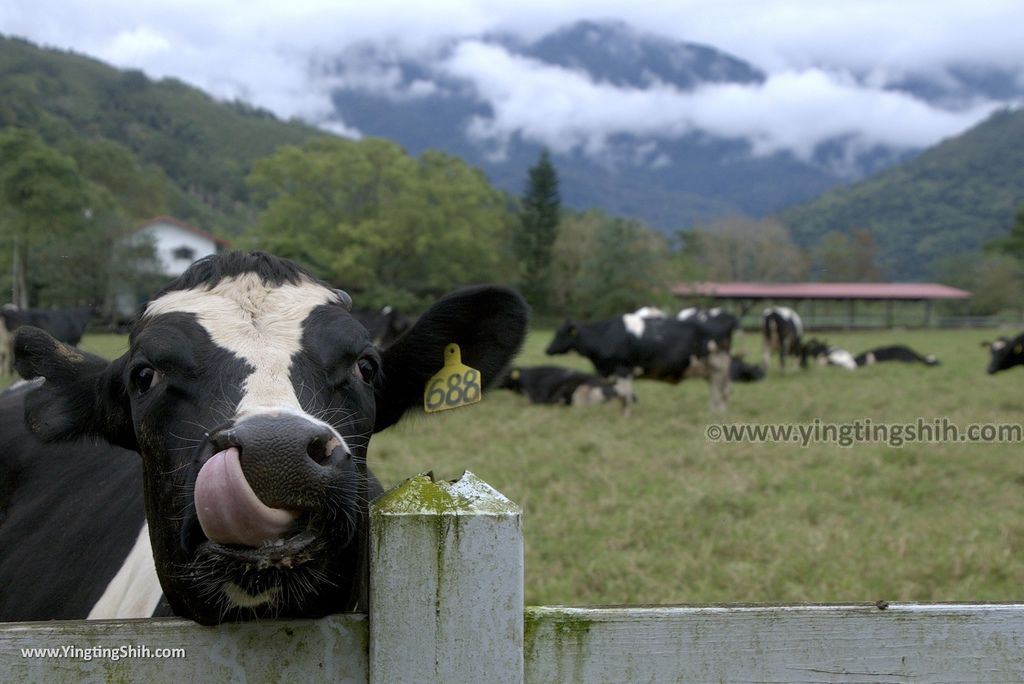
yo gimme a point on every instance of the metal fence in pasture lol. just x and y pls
(446, 605)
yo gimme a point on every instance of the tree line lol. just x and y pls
(399, 230)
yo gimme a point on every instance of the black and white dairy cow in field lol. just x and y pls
(894, 352)
(824, 354)
(566, 386)
(783, 332)
(654, 348)
(1006, 353)
(250, 393)
(66, 325)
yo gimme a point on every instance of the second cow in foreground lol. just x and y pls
(656, 348)
(65, 325)
(250, 393)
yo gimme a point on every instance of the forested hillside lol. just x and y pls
(950, 199)
(159, 146)
(87, 152)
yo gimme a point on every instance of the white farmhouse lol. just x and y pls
(176, 245)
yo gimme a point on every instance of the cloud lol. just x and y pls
(793, 111)
(828, 64)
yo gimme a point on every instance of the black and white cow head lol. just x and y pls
(251, 394)
(566, 338)
(1005, 353)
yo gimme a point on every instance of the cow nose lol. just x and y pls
(287, 460)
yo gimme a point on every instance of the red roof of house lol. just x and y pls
(740, 290)
(185, 226)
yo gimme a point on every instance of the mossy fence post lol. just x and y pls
(446, 584)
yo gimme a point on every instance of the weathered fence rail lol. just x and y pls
(446, 606)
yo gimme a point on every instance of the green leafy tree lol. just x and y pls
(391, 228)
(539, 216)
(995, 280)
(43, 201)
(745, 249)
(842, 258)
(1013, 243)
(603, 266)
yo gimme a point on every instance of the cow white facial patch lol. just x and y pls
(258, 322)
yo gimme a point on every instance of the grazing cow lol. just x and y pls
(385, 325)
(250, 393)
(825, 354)
(654, 348)
(66, 325)
(895, 352)
(783, 331)
(560, 385)
(1006, 353)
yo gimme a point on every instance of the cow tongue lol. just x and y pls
(229, 510)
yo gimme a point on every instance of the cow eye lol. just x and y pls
(144, 377)
(366, 369)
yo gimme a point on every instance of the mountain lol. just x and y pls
(950, 199)
(668, 182)
(170, 147)
(461, 96)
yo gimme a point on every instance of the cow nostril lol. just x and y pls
(317, 449)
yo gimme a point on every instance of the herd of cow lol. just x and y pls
(695, 343)
(219, 465)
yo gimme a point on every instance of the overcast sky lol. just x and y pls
(826, 60)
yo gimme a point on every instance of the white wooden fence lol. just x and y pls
(446, 605)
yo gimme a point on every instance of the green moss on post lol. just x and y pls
(446, 583)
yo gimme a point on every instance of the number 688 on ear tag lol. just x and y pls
(454, 385)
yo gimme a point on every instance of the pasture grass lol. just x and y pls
(646, 510)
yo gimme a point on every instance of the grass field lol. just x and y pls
(646, 510)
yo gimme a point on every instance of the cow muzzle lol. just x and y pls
(267, 471)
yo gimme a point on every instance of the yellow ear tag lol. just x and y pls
(454, 385)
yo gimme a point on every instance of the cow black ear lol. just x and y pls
(82, 396)
(487, 322)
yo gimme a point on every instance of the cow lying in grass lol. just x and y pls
(560, 385)
(250, 393)
(1005, 353)
(894, 352)
(826, 355)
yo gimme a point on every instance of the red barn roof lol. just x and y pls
(882, 291)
